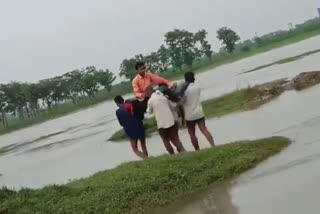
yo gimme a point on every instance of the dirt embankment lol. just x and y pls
(306, 80)
(270, 90)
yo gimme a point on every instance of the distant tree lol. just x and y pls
(228, 37)
(46, 90)
(127, 69)
(200, 36)
(258, 41)
(181, 44)
(245, 48)
(185, 47)
(152, 62)
(88, 82)
(3, 105)
(73, 79)
(105, 78)
(164, 58)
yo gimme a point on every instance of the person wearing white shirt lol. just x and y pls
(163, 109)
(194, 114)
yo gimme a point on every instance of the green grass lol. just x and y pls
(125, 88)
(283, 61)
(142, 186)
(236, 101)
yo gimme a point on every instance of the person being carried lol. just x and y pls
(163, 109)
(144, 81)
(132, 123)
(194, 114)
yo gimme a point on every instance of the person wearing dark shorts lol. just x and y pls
(162, 108)
(132, 123)
(194, 114)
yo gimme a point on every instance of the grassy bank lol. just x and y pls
(138, 187)
(240, 100)
(124, 88)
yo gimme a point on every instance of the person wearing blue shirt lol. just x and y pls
(132, 123)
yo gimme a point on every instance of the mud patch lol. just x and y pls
(306, 80)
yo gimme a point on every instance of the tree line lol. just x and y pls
(25, 100)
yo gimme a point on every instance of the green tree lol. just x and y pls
(185, 47)
(181, 46)
(127, 69)
(105, 78)
(15, 98)
(88, 82)
(164, 58)
(228, 37)
(200, 36)
(152, 62)
(3, 105)
(73, 79)
(258, 41)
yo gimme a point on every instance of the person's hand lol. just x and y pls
(174, 86)
(149, 91)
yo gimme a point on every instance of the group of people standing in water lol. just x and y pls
(169, 102)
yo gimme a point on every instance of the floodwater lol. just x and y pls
(286, 183)
(76, 145)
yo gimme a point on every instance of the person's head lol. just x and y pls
(119, 100)
(189, 77)
(141, 68)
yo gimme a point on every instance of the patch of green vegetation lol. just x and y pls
(139, 187)
(285, 60)
(236, 101)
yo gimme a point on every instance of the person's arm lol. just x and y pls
(172, 105)
(184, 97)
(136, 90)
(183, 88)
(150, 107)
(119, 118)
(158, 80)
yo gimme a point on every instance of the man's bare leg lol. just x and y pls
(166, 142)
(144, 148)
(205, 132)
(134, 146)
(193, 137)
(175, 139)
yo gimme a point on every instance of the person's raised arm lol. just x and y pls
(159, 80)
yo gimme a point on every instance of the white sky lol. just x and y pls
(44, 38)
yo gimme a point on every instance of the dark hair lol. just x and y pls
(189, 77)
(139, 64)
(118, 99)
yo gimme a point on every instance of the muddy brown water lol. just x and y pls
(75, 146)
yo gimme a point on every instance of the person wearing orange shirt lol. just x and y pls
(144, 80)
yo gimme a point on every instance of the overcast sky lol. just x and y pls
(44, 38)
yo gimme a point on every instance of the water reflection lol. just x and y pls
(216, 200)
